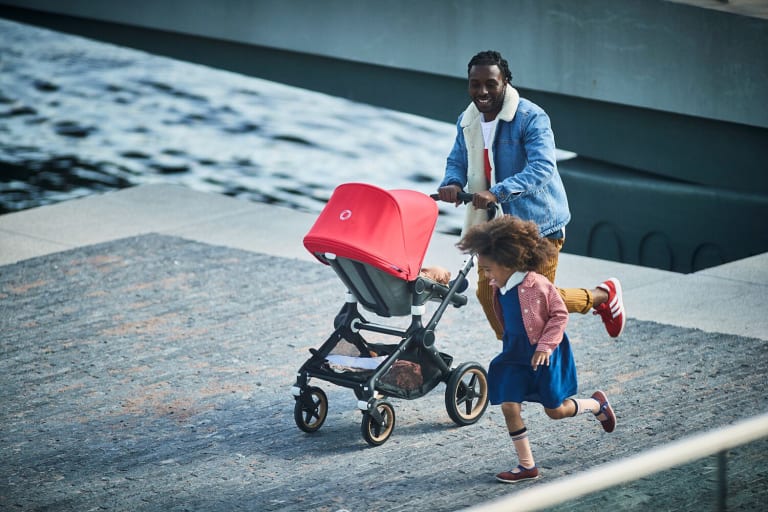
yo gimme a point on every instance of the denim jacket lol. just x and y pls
(524, 177)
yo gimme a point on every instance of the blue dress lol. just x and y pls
(511, 377)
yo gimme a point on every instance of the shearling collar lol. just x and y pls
(508, 109)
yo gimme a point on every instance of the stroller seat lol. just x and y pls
(378, 291)
(375, 240)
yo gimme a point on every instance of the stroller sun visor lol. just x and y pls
(389, 229)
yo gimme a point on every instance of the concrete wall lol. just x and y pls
(649, 54)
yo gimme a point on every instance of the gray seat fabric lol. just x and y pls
(376, 290)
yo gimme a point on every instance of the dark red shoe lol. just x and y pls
(508, 477)
(609, 423)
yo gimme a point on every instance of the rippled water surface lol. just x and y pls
(79, 116)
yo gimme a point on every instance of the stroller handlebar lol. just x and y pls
(465, 198)
(457, 299)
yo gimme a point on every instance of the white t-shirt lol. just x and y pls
(489, 130)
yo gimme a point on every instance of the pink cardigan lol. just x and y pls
(544, 313)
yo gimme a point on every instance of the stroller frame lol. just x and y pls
(466, 394)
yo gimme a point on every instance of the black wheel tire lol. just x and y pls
(374, 433)
(466, 395)
(311, 409)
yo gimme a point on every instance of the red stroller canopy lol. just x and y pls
(389, 229)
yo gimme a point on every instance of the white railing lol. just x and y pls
(633, 468)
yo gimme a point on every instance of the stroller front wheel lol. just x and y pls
(376, 432)
(311, 409)
(466, 395)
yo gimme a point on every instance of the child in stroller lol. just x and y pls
(375, 240)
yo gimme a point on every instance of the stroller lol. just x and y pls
(375, 240)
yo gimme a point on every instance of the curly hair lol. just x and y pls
(491, 58)
(509, 241)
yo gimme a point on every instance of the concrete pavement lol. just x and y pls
(150, 338)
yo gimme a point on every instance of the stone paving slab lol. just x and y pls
(153, 373)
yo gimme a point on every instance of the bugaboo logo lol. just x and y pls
(345, 215)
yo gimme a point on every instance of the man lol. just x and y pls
(504, 153)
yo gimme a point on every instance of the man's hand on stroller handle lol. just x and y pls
(484, 200)
(452, 194)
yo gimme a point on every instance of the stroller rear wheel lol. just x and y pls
(311, 409)
(376, 432)
(466, 395)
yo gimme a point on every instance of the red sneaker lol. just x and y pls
(609, 423)
(508, 477)
(612, 311)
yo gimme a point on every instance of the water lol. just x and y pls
(79, 117)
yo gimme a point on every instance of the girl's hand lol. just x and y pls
(540, 358)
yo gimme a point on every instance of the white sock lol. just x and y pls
(584, 405)
(523, 448)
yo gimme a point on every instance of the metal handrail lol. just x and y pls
(633, 468)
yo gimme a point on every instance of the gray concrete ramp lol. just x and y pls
(153, 373)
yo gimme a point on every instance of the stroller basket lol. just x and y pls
(375, 241)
